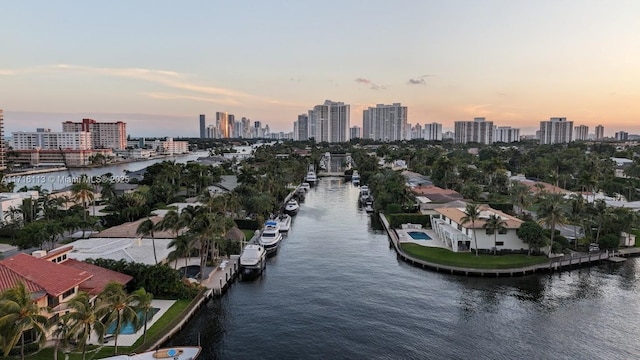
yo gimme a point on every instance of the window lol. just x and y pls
(69, 293)
(489, 231)
(502, 231)
(499, 243)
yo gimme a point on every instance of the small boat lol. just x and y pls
(368, 206)
(270, 237)
(292, 207)
(252, 261)
(305, 186)
(355, 178)
(311, 176)
(364, 194)
(284, 221)
(174, 353)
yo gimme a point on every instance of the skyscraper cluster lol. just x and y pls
(328, 122)
(385, 122)
(226, 126)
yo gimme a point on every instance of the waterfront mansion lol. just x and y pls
(449, 227)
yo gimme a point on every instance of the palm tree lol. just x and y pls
(472, 214)
(577, 209)
(62, 333)
(83, 320)
(108, 190)
(146, 228)
(182, 247)
(82, 191)
(19, 314)
(520, 195)
(551, 213)
(494, 225)
(115, 306)
(143, 302)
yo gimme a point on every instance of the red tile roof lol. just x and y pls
(101, 276)
(54, 278)
(9, 279)
(55, 252)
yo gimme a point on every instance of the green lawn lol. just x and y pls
(159, 327)
(447, 257)
(248, 234)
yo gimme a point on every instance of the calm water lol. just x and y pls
(59, 179)
(337, 291)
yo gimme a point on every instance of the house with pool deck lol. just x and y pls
(448, 228)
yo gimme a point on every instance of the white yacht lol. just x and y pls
(174, 353)
(355, 178)
(292, 207)
(284, 221)
(252, 261)
(311, 177)
(270, 237)
(368, 206)
(364, 194)
(305, 186)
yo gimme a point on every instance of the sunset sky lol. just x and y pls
(157, 65)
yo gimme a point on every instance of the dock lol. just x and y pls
(564, 264)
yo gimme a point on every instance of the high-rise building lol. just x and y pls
(432, 132)
(257, 130)
(302, 131)
(506, 134)
(329, 122)
(203, 127)
(556, 131)
(3, 159)
(599, 132)
(385, 122)
(47, 140)
(231, 123)
(246, 128)
(104, 135)
(222, 124)
(477, 131)
(416, 132)
(581, 133)
(354, 132)
(622, 136)
(212, 132)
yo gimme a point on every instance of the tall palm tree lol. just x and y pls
(520, 195)
(83, 320)
(83, 191)
(472, 214)
(115, 306)
(142, 300)
(494, 225)
(577, 210)
(108, 190)
(551, 212)
(182, 248)
(19, 314)
(62, 334)
(147, 228)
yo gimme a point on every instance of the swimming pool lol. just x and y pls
(128, 328)
(418, 235)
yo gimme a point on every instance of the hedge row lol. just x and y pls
(396, 220)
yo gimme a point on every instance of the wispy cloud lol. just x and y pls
(371, 84)
(420, 80)
(166, 78)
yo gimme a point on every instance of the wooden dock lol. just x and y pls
(551, 266)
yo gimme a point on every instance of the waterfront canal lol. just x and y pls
(337, 291)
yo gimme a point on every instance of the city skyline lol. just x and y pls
(445, 62)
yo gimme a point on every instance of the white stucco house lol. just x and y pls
(447, 225)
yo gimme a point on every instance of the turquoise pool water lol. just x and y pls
(128, 328)
(418, 235)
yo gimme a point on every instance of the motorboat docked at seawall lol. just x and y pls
(292, 207)
(175, 353)
(364, 194)
(355, 178)
(311, 177)
(270, 237)
(305, 186)
(368, 206)
(253, 260)
(284, 221)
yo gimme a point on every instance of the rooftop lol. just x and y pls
(128, 230)
(101, 276)
(127, 249)
(456, 215)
